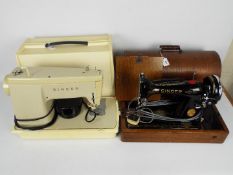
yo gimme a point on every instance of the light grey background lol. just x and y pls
(199, 24)
(196, 24)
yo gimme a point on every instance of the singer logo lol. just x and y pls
(170, 91)
(65, 89)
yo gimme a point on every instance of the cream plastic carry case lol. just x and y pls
(75, 51)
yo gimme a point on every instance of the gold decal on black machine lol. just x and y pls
(170, 91)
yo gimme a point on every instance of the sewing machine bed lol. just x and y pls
(105, 126)
(215, 133)
(213, 130)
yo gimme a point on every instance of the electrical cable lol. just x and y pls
(54, 119)
(145, 112)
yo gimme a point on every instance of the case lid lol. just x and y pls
(169, 62)
(93, 51)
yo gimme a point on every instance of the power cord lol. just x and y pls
(55, 116)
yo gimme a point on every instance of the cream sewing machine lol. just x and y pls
(64, 88)
(39, 94)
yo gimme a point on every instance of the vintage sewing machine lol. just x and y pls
(64, 88)
(182, 105)
(169, 95)
(40, 94)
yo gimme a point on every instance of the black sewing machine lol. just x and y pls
(183, 103)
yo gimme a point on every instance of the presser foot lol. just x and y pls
(91, 114)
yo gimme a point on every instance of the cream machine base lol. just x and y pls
(58, 103)
(103, 127)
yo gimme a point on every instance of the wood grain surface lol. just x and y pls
(128, 69)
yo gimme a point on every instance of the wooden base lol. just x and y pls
(175, 135)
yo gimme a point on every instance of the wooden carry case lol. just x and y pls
(183, 64)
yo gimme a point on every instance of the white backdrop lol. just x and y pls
(198, 24)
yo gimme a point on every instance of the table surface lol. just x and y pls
(111, 156)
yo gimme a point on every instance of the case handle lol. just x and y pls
(52, 44)
(170, 48)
